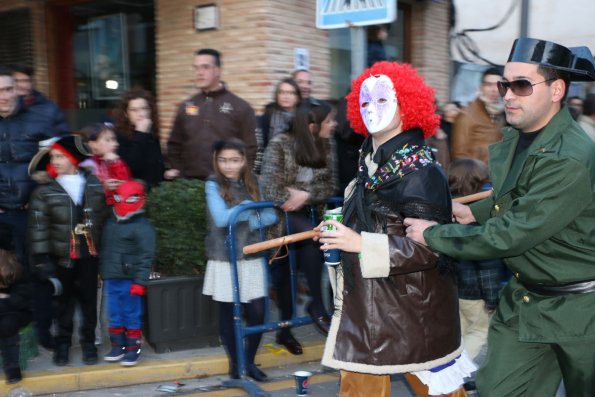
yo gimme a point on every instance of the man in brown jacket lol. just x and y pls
(478, 126)
(211, 115)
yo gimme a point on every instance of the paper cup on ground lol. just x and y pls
(302, 380)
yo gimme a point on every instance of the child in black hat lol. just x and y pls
(15, 301)
(66, 212)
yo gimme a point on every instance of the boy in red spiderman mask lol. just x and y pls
(126, 258)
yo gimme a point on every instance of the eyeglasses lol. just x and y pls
(518, 87)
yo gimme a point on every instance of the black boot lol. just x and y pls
(61, 355)
(89, 353)
(233, 370)
(285, 338)
(255, 373)
(13, 375)
(10, 355)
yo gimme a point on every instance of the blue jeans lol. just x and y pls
(123, 310)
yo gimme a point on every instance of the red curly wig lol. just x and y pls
(416, 99)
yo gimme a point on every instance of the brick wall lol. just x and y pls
(430, 44)
(40, 58)
(256, 38)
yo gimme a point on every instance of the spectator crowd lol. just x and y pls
(72, 219)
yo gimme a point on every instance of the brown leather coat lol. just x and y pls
(396, 311)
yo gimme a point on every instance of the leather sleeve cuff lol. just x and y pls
(374, 258)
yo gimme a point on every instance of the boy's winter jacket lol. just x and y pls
(128, 249)
(53, 216)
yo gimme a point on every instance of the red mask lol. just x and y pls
(129, 198)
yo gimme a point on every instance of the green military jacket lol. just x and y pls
(541, 220)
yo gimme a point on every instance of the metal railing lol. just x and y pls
(241, 331)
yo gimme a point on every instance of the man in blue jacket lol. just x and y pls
(21, 130)
(33, 99)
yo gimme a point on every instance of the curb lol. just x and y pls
(104, 376)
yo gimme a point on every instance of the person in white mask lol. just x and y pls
(396, 305)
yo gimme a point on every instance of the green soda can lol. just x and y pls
(332, 257)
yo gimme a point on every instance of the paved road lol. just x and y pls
(324, 383)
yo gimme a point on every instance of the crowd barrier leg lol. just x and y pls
(242, 331)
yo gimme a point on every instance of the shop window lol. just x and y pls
(106, 48)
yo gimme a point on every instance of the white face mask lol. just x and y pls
(378, 103)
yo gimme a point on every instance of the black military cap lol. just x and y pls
(577, 62)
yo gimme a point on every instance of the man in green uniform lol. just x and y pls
(541, 219)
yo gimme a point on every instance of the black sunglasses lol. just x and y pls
(518, 87)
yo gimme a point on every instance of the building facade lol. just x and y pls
(86, 53)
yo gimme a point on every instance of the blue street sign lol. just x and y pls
(333, 14)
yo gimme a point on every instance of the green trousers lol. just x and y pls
(525, 369)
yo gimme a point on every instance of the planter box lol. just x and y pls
(179, 316)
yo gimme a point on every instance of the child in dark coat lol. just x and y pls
(66, 213)
(126, 260)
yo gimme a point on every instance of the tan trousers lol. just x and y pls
(475, 321)
(354, 384)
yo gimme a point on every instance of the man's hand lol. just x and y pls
(343, 238)
(416, 227)
(112, 184)
(171, 174)
(462, 213)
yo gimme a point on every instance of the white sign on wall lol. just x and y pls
(334, 14)
(301, 59)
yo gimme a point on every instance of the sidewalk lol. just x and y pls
(43, 377)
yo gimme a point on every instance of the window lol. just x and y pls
(395, 46)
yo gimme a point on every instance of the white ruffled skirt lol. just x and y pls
(448, 379)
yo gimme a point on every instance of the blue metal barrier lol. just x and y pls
(242, 331)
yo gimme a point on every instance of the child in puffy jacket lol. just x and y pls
(66, 213)
(126, 260)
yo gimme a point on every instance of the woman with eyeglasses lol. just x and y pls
(278, 114)
(137, 128)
